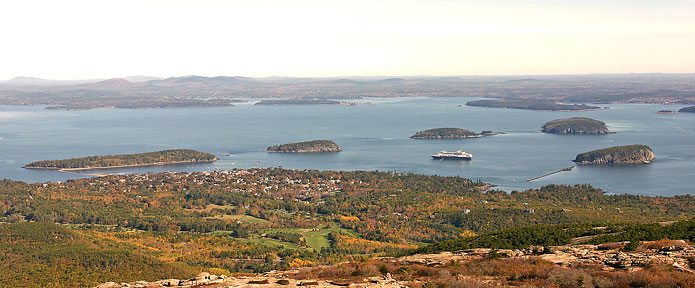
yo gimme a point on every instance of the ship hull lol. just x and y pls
(451, 158)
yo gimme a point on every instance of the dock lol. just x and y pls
(551, 173)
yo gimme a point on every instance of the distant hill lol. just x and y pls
(202, 81)
(141, 78)
(34, 81)
(111, 84)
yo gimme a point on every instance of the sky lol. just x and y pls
(72, 39)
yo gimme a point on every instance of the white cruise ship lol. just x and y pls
(460, 155)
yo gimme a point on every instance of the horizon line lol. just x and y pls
(357, 76)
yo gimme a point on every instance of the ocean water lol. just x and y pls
(373, 137)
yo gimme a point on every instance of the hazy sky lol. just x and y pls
(104, 39)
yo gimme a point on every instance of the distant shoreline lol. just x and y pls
(70, 170)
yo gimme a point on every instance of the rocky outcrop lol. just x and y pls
(630, 154)
(677, 255)
(269, 280)
(606, 257)
(576, 125)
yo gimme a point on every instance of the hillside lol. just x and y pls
(576, 125)
(163, 157)
(260, 220)
(48, 255)
(446, 133)
(629, 154)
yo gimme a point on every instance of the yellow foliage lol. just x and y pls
(349, 218)
(296, 263)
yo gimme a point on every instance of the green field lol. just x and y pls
(316, 238)
(273, 242)
(319, 239)
(242, 218)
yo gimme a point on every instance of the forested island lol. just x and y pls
(532, 105)
(313, 146)
(164, 157)
(690, 109)
(629, 154)
(576, 125)
(299, 102)
(446, 133)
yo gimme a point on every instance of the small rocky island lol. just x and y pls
(666, 112)
(629, 154)
(164, 157)
(690, 109)
(576, 125)
(314, 146)
(446, 133)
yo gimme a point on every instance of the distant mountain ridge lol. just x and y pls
(537, 93)
(35, 81)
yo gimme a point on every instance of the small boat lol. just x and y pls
(457, 155)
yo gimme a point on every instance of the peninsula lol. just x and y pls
(690, 109)
(301, 102)
(532, 105)
(629, 154)
(446, 133)
(313, 146)
(576, 125)
(164, 157)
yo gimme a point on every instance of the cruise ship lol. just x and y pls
(458, 155)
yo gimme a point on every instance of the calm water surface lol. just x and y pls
(373, 137)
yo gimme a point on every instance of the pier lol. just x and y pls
(551, 173)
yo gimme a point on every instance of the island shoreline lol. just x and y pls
(69, 170)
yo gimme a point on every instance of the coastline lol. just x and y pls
(76, 170)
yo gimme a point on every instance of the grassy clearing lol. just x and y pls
(318, 239)
(273, 242)
(241, 218)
